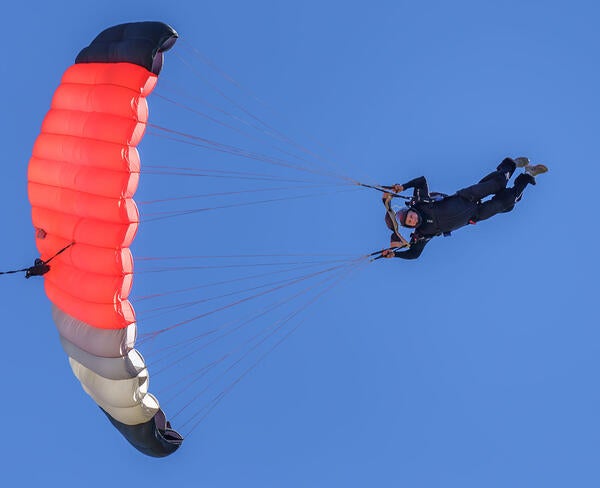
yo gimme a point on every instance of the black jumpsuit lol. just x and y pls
(464, 207)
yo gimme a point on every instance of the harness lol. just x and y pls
(433, 197)
(409, 202)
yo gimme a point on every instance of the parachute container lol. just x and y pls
(82, 177)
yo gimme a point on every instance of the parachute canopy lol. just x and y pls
(82, 176)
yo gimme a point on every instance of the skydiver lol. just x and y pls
(431, 214)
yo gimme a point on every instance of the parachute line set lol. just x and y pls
(82, 177)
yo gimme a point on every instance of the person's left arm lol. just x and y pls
(413, 252)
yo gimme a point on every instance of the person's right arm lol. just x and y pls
(421, 189)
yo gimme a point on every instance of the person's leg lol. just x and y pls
(504, 201)
(490, 184)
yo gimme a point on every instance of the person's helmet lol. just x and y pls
(401, 216)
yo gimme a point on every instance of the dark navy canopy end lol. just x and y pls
(140, 43)
(154, 438)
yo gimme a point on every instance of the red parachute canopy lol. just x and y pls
(82, 177)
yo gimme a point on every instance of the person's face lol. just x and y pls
(412, 219)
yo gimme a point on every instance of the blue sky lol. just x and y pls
(474, 366)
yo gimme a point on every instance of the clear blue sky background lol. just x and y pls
(475, 366)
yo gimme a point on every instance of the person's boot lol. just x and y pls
(522, 161)
(536, 169)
